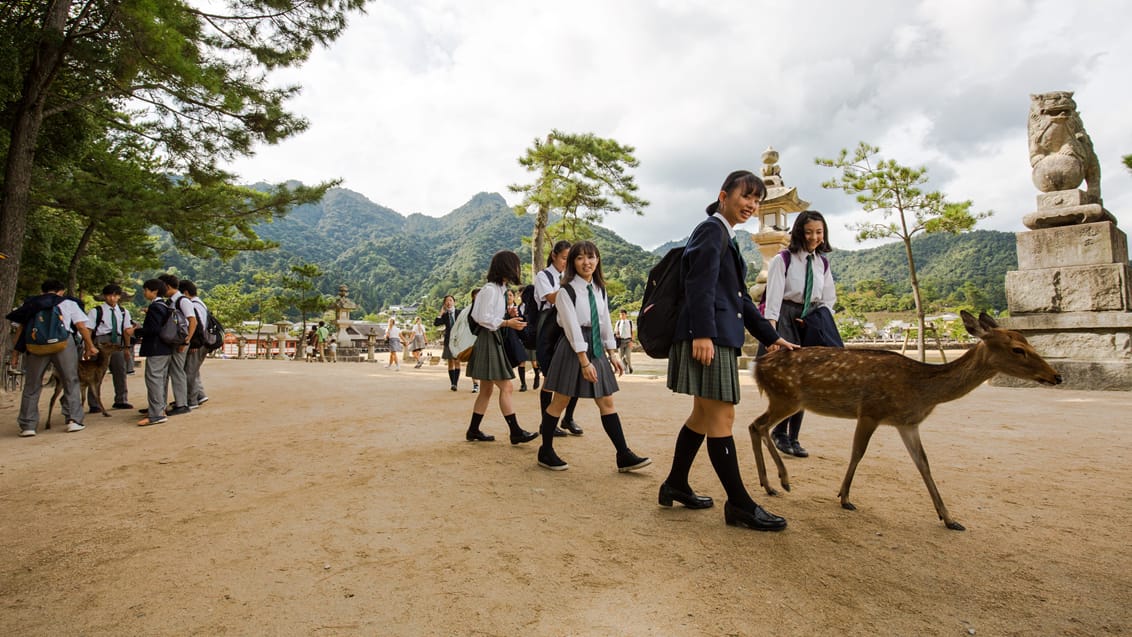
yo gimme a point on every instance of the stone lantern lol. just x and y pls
(342, 307)
(774, 230)
(281, 329)
(371, 340)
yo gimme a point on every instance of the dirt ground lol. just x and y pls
(323, 499)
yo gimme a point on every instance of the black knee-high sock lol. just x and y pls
(475, 424)
(544, 398)
(726, 463)
(781, 429)
(513, 424)
(453, 376)
(568, 415)
(537, 372)
(611, 423)
(796, 425)
(522, 375)
(456, 379)
(546, 428)
(687, 446)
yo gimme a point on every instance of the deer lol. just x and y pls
(91, 373)
(878, 387)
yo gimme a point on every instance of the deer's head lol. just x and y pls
(1008, 351)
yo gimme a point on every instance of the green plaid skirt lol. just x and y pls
(718, 381)
(488, 362)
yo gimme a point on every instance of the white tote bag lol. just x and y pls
(461, 340)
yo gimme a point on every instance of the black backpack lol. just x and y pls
(662, 302)
(661, 305)
(529, 334)
(551, 330)
(213, 334)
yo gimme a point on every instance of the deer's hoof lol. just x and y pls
(771, 491)
(848, 506)
(955, 526)
(786, 486)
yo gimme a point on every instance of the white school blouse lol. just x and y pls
(546, 282)
(490, 306)
(790, 283)
(573, 317)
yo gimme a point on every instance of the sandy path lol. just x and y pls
(309, 499)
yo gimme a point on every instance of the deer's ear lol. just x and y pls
(972, 324)
(986, 321)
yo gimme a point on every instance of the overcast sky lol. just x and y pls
(424, 103)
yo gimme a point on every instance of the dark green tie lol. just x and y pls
(113, 326)
(595, 324)
(809, 289)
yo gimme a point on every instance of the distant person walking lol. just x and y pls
(418, 343)
(447, 319)
(624, 333)
(393, 340)
(488, 362)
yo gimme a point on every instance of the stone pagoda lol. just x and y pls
(1072, 293)
(342, 307)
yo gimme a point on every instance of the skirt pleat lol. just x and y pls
(718, 381)
(565, 373)
(488, 362)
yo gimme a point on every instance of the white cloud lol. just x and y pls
(424, 103)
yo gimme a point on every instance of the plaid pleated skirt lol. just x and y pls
(718, 381)
(488, 362)
(564, 376)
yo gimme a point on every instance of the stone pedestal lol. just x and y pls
(1072, 298)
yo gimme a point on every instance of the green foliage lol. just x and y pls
(1128, 162)
(889, 188)
(581, 177)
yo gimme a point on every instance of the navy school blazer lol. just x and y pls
(716, 302)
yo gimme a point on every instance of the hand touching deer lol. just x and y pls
(879, 387)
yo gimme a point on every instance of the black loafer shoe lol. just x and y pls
(784, 445)
(478, 436)
(521, 436)
(630, 461)
(123, 406)
(551, 461)
(799, 451)
(688, 498)
(558, 433)
(572, 428)
(95, 410)
(178, 411)
(757, 520)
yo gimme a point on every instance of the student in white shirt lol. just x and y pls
(110, 323)
(546, 291)
(65, 360)
(581, 366)
(623, 331)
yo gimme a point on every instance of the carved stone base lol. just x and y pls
(1066, 216)
(1089, 288)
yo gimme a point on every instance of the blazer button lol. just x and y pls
(738, 315)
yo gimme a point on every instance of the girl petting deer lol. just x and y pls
(703, 360)
(581, 366)
(800, 292)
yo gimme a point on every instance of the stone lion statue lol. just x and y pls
(1061, 152)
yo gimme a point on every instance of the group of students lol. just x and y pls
(703, 359)
(398, 340)
(320, 345)
(109, 326)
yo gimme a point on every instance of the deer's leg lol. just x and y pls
(760, 437)
(58, 389)
(861, 437)
(911, 437)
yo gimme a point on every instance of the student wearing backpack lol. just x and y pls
(194, 358)
(158, 354)
(546, 290)
(791, 274)
(178, 377)
(489, 363)
(581, 366)
(703, 359)
(53, 315)
(111, 323)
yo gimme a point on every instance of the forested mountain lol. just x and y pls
(389, 259)
(386, 258)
